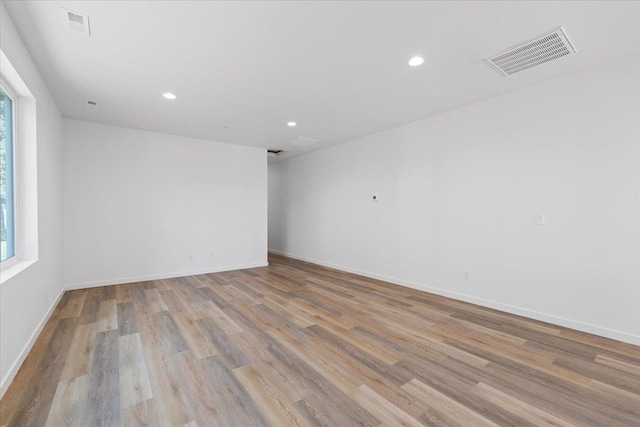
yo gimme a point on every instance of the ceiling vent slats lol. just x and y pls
(547, 47)
(76, 22)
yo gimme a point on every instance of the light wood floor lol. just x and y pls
(297, 344)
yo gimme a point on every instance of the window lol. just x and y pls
(7, 181)
(19, 173)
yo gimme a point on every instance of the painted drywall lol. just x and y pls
(142, 205)
(26, 298)
(460, 192)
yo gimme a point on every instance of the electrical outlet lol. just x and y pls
(467, 275)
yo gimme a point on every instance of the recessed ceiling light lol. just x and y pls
(415, 61)
(291, 124)
(169, 95)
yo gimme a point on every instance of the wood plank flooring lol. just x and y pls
(295, 344)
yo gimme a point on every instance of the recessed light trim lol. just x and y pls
(291, 124)
(169, 95)
(416, 60)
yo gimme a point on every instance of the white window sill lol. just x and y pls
(7, 273)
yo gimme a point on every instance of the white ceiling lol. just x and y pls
(339, 69)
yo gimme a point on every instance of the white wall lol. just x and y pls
(460, 192)
(138, 205)
(26, 298)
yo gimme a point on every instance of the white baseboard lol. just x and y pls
(123, 280)
(560, 321)
(8, 378)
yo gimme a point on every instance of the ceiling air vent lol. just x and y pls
(76, 22)
(275, 153)
(302, 141)
(92, 104)
(544, 48)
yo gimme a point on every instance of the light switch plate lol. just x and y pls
(540, 219)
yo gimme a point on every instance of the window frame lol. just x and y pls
(11, 94)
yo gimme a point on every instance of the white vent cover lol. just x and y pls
(92, 104)
(76, 22)
(302, 141)
(547, 47)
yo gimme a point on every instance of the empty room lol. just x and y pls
(319, 213)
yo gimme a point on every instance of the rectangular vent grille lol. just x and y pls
(544, 48)
(76, 22)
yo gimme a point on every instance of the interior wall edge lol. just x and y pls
(125, 280)
(17, 364)
(27, 298)
(531, 314)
